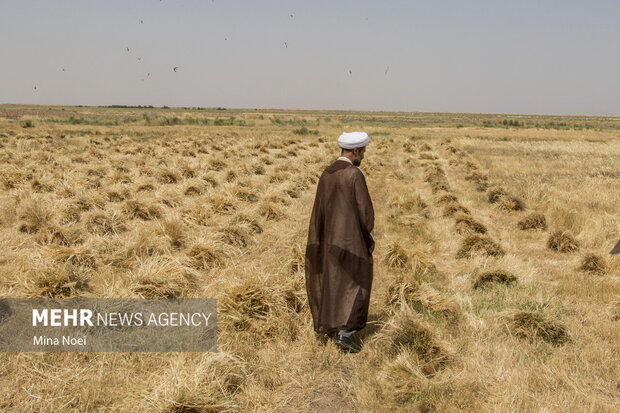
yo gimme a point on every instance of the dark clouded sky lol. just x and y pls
(458, 56)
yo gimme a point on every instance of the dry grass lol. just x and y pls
(105, 223)
(477, 244)
(396, 257)
(144, 210)
(160, 277)
(466, 225)
(509, 203)
(562, 241)
(111, 208)
(406, 332)
(421, 297)
(480, 179)
(494, 277)
(409, 203)
(454, 208)
(445, 199)
(535, 326)
(251, 299)
(34, 215)
(495, 194)
(594, 263)
(533, 221)
(206, 255)
(57, 280)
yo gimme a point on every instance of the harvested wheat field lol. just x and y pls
(493, 288)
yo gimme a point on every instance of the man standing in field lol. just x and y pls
(340, 244)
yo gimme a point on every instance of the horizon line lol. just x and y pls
(125, 106)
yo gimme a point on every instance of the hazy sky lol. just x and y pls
(458, 56)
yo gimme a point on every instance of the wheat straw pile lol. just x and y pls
(470, 309)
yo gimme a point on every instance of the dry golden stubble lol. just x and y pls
(207, 254)
(11, 176)
(42, 185)
(405, 289)
(454, 208)
(534, 326)
(253, 298)
(434, 173)
(423, 146)
(210, 180)
(82, 256)
(105, 223)
(251, 223)
(118, 193)
(409, 202)
(136, 247)
(167, 176)
(298, 259)
(466, 225)
(471, 165)
(480, 179)
(193, 190)
(534, 221)
(35, 214)
(270, 211)
(217, 164)
(223, 203)
(440, 185)
(444, 198)
(221, 376)
(396, 257)
(162, 277)
(489, 278)
(477, 244)
(562, 241)
(174, 230)
(614, 308)
(246, 196)
(141, 209)
(509, 203)
(56, 280)
(594, 264)
(494, 194)
(405, 331)
(428, 155)
(237, 235)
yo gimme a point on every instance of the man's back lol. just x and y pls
(338, 254)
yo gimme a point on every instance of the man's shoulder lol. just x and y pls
(338, 166)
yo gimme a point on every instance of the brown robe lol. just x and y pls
(339, 250)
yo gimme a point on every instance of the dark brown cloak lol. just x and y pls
(339, 250)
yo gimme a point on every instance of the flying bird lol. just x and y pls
(386, 70)
(175, 68)
(350, 72)
(285, 45)
(141, 21)
(148, 74)
(127, 48)
(35, 88)
(291, 16)
(139, 58)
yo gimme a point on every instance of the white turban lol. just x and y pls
(353, 140)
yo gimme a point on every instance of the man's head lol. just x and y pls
(353, 146)
(356, 155)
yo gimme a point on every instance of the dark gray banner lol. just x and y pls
(108, 324)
